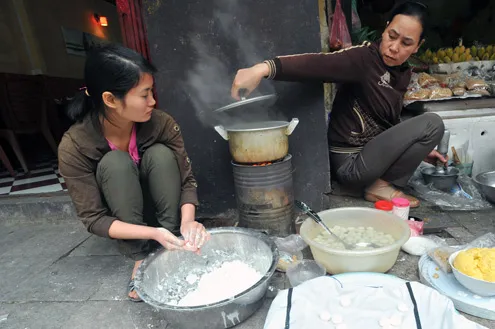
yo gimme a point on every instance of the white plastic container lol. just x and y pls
(401, 208)
(342, 261)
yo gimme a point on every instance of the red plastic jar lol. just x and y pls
(384, 205)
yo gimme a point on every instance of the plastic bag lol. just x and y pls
(426, 80)
(464, 196)
(485, 241)
(339, 34)
(420, 245)
(289, 250)
(416, 226)
(415, 91)
(441, 254)
(472, 84)
(447, 79)
(291, 243)
(438, 92)
(458, 91)
(417, 94)
(356, 21)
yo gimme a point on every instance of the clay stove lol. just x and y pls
(265, 196)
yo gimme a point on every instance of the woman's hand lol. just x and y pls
(249, 79)
(194, 234)
(167, 239)
(435, 156)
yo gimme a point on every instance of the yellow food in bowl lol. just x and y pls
(478, 263)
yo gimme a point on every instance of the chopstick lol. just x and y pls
(456, 157)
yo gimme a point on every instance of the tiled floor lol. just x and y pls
(44, 178)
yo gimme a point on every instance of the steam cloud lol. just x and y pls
(209, 81)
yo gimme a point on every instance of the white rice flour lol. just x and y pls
(222, 283)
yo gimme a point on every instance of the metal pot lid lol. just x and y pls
(266, 100)
(257, 126)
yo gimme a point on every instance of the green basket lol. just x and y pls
(465, 168)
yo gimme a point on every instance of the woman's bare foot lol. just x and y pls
(133, 294)
(382, 190)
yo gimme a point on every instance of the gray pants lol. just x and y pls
(144, 195)
(392, 156)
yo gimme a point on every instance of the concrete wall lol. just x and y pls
(32, 35)
(13, 48)
(198, 47)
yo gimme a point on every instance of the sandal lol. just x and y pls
(414, 203)
(381, 190)
(131, 288)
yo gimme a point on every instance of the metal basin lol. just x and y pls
(444, 181)
(486, 183)
(161, 279)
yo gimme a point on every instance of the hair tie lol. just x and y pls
(85, 90)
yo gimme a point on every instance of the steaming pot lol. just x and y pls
(258, 142)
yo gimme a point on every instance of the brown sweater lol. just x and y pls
(369, 99)
(83, 146)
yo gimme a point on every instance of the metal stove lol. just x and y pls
(265, 196)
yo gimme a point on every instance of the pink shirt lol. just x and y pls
(133, 150)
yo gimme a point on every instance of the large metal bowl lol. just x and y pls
(161, 277)
(442, 181)
(486, 182)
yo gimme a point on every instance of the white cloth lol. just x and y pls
(324, 303)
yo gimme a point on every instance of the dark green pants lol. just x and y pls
(148, 194)
(392, 156)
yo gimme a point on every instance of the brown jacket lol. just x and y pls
(83, 146)
(369, 99)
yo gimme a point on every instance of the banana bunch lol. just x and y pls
(458, 54)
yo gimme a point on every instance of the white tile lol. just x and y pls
(35, 179)
(4, 190)
(6, 179)
(41, 189)
(37, 171)
(61, 179)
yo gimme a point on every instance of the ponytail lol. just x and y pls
(79, 106)
(108, 68)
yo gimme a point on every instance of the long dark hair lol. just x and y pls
(414, 9)
(111, 68)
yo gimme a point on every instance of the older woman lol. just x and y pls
(370, 147)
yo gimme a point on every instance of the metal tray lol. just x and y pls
(452, 98)
(446, 284)
(456, 67)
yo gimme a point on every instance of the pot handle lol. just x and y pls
(292, 125)
(222, 132)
